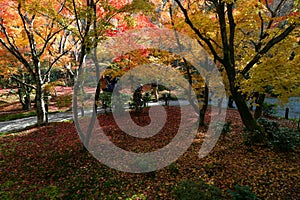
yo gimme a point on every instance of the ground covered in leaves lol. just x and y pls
(50, 163)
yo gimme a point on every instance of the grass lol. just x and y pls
(22, 115)
(14, 116)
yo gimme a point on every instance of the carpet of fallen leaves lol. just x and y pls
(50, 162)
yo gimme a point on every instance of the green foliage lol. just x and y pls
(6, 194)
(120, 102)
(197, 190)
(270, 126)
(147, 97)
(105, 98)
(242, 193)
(50, 192)
(64, 101)
(285, 139)
(280, 138)
(268, 109)
(16, 116)
(261, 136)
(173, 167)
(161, 87)
(254, 137)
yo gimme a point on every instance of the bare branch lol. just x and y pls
(22, 82)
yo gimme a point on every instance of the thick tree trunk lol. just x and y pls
(244, 111)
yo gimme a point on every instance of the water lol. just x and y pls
(293, 105)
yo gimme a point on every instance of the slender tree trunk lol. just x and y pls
(24, 98)
(24, 95)
(27, 101)
(40, 104)
(204, 107)
(22, 101)
(259, 106)
(230, 102)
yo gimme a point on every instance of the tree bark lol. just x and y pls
(40, 104)
(246, 116)
(204, 107)
(259, 106)
(24, 98)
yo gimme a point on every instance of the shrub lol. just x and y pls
(242, 193)
(105, 98)
(227, 127)
(147, 96)
(269, 126)
(285, 139)
(196, 190)
(173, 167)
(64, 101)
(50, 192)
(279, 138)
(119, 102)
(268, 109)
(254, 137)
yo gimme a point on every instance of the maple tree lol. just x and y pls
(15, 76)
(95, 21)
(33, 39)
(239, 37)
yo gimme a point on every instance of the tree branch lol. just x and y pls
(14, 51)
(198, 33)
(267, 47)
(22, 82)
(232, 26)
(76, 18)
(29, 36)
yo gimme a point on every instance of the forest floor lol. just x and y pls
(49, 162)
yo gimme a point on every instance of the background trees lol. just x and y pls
(30, 31)
(241, 36)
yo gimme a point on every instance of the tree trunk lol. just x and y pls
(245, 113)
(22, 101)
(204, 107)
(230, 102)
(40, 105)
(24, 96)
(259, 106)
(27, 101)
